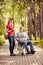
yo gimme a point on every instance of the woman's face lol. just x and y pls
(11, 22)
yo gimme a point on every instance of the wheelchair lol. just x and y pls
(20, 48)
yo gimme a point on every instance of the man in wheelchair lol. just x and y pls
(22, 38)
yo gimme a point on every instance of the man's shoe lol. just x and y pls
(22, 53)
(33, 51)
(28, 52)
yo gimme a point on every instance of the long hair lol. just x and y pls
(9, 20)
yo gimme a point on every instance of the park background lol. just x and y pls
(26, 13)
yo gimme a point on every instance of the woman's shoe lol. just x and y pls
(12, 54)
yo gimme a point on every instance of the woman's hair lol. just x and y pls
(9, 20)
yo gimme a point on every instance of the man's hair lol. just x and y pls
(22, 28)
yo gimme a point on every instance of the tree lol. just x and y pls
(16, 9)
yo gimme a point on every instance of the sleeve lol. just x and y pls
(17, 36)
(6, 26)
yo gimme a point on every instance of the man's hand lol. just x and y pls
(18, 41)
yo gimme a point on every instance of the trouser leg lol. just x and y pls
(31, 45)
(25, 45)
(11, 44)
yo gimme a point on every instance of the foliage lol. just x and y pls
(2, 40)
(2, 27)
(15, 9)
(38, 42)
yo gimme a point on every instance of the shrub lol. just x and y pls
(41, 43)
(2, 40)
(38, 42)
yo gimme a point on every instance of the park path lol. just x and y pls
(5, 59)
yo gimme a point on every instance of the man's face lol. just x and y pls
(21, 29)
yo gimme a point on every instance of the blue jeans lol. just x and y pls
(26, 43)
(11, 43)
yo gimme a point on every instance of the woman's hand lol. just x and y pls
(8, 30)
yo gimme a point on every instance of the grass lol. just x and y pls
(38, 42)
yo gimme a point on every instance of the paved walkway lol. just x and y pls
(5, 59)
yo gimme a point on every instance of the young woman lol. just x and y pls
(10, 31)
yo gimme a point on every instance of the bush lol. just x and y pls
(0, 32)
(2, 40)
(41, 43)
(38, 42)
